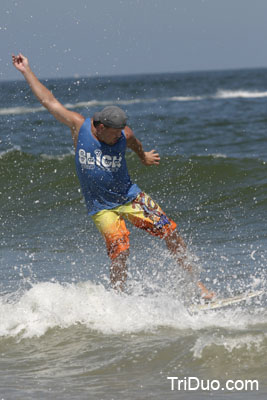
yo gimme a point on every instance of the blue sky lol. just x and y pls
(64, 38)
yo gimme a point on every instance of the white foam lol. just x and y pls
(20, 110)
(94, 103)
(223, 94)
(248, 341)
(44, 156)
(49, 305)
(186, 98)
(14, 148)
(58, 157)
(220, 94)
(70, 106)
(232, 94)
(218, 155)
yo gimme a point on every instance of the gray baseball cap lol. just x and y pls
(111, 116)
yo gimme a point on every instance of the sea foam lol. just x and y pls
(220, 94)
(50, 305)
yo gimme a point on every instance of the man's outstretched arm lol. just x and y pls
(72, 119)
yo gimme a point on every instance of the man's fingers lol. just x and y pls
(18, 59)
(15, 59)
(155, 154)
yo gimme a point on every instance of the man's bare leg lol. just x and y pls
(177, 247)
(118, 271)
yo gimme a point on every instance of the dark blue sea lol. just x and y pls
(64, 333)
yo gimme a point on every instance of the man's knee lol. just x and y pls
(118, 247)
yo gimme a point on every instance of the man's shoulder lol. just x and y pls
(128, 132)
(84, 122)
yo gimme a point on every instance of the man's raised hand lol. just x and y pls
(20, 62)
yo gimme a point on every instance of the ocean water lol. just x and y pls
(64, 334)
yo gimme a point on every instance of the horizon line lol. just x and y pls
(96, 75)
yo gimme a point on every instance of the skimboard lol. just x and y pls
(226, 302)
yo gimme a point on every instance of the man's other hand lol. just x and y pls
(151, 158)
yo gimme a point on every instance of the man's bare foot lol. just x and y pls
(208, 296)
(205, 293)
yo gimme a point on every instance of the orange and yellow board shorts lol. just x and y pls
(142, 212)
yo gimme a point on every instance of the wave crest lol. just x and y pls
(49, 305)
(220, 94)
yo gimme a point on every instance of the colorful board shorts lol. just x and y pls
(142, 212)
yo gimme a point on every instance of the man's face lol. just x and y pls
(108, 135)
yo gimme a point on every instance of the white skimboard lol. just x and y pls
(220, 303)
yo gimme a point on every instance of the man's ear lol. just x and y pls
(99, 127)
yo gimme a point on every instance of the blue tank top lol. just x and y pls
(102, 171)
